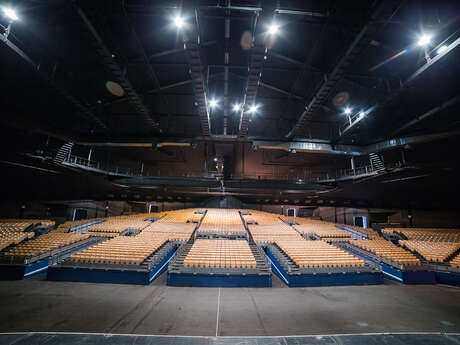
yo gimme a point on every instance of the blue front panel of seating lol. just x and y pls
(449, 278)
(112, 276)
(219, 280)
(17, 272)
(80, 274)
(408, 277)
(324, 279)
(161, 266)
(277, 268)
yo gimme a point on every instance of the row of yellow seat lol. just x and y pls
(432, 251)
(323, 230)
(222, 221)
(44, 244)
(455, 262)
(427, 234)
(8, 238)
(220, 254)
(389, 251)
(66, 226)
(311, 254)
(121, 250)
(120, 224)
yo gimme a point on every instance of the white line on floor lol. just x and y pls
(217, 317)
(228, 336)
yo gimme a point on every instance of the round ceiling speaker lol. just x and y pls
(246, 40)
(341, 99)
(115, 88)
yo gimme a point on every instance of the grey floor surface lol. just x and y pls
(43, 306)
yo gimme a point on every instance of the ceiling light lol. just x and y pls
(213, 103)
(362, 114)
(442, 49)
(10, 13)
(273, 29)
(236, 107)
(178, 22)
(347, 111)
(423, 40)
(253, 109)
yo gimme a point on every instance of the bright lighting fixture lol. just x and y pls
(253, 109)
(273, 29)
(362, 114)
(236, 107)
(213, 103)
(442, 49)
(347, 111)
(178, 22)
(423, 40)
(10, 13)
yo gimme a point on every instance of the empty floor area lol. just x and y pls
(36, 305)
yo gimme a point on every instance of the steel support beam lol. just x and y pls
(82, 110)
(429, 113)
(259, 52)
(120, 75)
(192, 52)
(361, 40)
(355, 119)
(351, 150)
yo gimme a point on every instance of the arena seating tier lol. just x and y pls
(427, 234)
(388, 250)
(220, 254)
(44, 244)
(121, 250)
(310, 254)
(223, 221)
(432, 251)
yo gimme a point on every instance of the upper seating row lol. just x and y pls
(432, 251)
(222, 221)
(388, 250)
(121, 250)
(220, 254)
(427, 234)
(44, 244)
(310, 254)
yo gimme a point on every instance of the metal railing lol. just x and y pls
(306, 177)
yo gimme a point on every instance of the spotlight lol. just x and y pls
(347, 111)
(213, 103)
(215, 159)
(442, 49)
(236, 107)
(10, 13)
(361, 114)
(273, 29)
(178, 22)
(253, 109)
(424, 40)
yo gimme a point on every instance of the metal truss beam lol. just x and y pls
(192, 51)
(112, 66)
(82, 110)
(357, 118)
(258, 56)
(362, 39)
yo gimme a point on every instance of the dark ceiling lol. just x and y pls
(327, 55)
(149, 51)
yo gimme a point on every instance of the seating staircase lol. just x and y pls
(289, 265)
(181, 254)
(376, 162)
(63, 153)
(453, 255)
(261, 263)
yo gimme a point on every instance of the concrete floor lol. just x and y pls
(35, 305)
